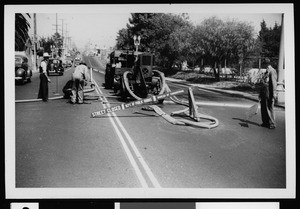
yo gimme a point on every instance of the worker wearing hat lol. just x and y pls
(79, 76)
(44, 79)
(267, 96)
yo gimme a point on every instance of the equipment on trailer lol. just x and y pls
(132, 74)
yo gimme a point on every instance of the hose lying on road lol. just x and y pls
(210, 122)
(205, 121)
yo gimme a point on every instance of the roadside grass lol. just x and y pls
(226, 84)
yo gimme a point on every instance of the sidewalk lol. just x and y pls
(246, 95)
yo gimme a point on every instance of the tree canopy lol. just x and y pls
(156, 31)
(21, 31)
(175, 39)
(55, 41)
(269, 42)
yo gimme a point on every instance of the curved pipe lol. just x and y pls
(163, 79)
(126, 82)
(212, 124)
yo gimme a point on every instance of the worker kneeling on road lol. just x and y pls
(80, 76)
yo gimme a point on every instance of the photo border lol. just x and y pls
(178, 193)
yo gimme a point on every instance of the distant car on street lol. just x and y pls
(77, 61)
(55, 66)
(23, 71)
(67, 63)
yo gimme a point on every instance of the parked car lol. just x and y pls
(55, 66)
(23, 71)
(76, 62)
(68, 63)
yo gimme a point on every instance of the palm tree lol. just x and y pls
(21, 31)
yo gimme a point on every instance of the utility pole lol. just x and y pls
(34, 41)
(56, 31)
(66, 39)
(280, 84)
(62, 35)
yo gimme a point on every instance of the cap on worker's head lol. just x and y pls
(268, 61)
(46, 54)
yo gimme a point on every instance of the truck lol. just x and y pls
(132, 74)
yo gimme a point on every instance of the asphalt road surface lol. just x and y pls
(59, 145)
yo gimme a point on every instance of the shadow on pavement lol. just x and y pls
(245, 123)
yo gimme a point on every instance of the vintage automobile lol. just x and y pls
(133, 74)
(66, 63)
(55, 67)
(77, 60)
(23, 71)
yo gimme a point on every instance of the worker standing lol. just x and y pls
(267, 96)
(44, 79)
(80, 76)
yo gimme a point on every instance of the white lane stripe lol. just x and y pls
(127, 150)
(136, 151)
(138, 154)
(129, 155)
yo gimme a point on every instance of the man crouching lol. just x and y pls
(80, 76)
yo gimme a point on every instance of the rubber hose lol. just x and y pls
(126, 82)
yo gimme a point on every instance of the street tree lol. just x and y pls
(269, 40)
(156, 31)
(181, 42)
(123, 39)
(220, 40)
(48, 43)
(21, 31)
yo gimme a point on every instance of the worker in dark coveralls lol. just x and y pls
(268, 95)
(79, 77)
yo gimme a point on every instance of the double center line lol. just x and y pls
(142, 170)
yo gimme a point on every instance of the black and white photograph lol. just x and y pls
(149, 101)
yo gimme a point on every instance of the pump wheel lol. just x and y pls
(161, 84)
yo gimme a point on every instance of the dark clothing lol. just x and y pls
(68, 89)
(267, 112)
(267, 97)
(43, 90)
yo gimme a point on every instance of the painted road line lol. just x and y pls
(138, 154)
(134, 148)
(126, 149)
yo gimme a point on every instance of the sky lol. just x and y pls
(100, 26)
(100, 29)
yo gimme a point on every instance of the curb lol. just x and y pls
(236, 94)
